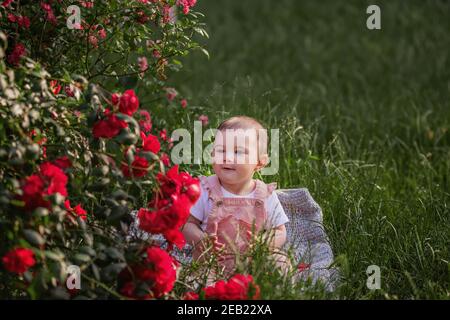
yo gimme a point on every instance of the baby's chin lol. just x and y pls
(228, 175)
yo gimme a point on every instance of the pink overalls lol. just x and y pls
(232, 219)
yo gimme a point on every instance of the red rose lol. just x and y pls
(193, 191)
(150, 143)
(12, 18)
(55, 178)
(129, 102)
(108, 127)
(49, 12)
(23, 22)
(175, 237)
(102, 33)
(87, 4)
(163, 134)
(190, 296)
(167, 218)
(32, 190)
(48, 181)
(156, 54)
(115, 98)
(145, 123)
(158, 271)
(150, 221)
(179, 192)
(17, 53)
(237, 288)
(128, 290)
(171, 93)
(181, 206)
(139, 168)
(204, 119)
(143, 64)
(216, 291)
(77, 211)
(145, 126)
(7, 3)
(145, 115)
(187, 5)
(93, 41)
(174, 182)
(69, 91)
(155, 221)
(19, 260)
(163, 271)
(165, 159)
(168, 214)
(303, 266)
(55, 86)
(63, 162)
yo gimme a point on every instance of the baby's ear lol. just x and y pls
(263, 161)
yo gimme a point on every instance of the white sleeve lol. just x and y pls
(275, 212)
(198, 210)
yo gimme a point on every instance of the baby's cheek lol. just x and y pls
(244, 169)
(216, 167)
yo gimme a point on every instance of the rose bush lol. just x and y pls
(83, 143)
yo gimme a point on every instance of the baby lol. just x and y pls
(233, 206)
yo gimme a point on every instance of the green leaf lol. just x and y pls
(82, 258)
(111, 271)
(88, 250)
(33, 237)
(17, 203)
(54, 256)
(95, 271)
(205, 52)
(60, 293)
(114, 253)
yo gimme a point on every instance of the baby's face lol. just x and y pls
(235, 156)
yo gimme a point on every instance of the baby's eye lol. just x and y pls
(220, 153)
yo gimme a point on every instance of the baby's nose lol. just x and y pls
(229, 157)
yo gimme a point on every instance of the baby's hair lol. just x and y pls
(240, 122)
(245, 122)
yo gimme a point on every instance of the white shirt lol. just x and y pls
(275, 212)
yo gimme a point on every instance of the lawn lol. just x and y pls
(363, 118)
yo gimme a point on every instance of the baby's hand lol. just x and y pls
(205, 244)
(217, 246)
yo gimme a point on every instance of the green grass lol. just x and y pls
(363, 118)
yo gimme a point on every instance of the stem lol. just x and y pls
(114, 293)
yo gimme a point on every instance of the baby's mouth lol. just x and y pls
(228, 168)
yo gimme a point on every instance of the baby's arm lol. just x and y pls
(279, 237)
(192, 232)
(281, 259)
(194, 235)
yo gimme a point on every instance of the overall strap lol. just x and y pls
(212, 185)
(263, 190)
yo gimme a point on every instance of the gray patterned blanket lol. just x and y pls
(306, 237)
